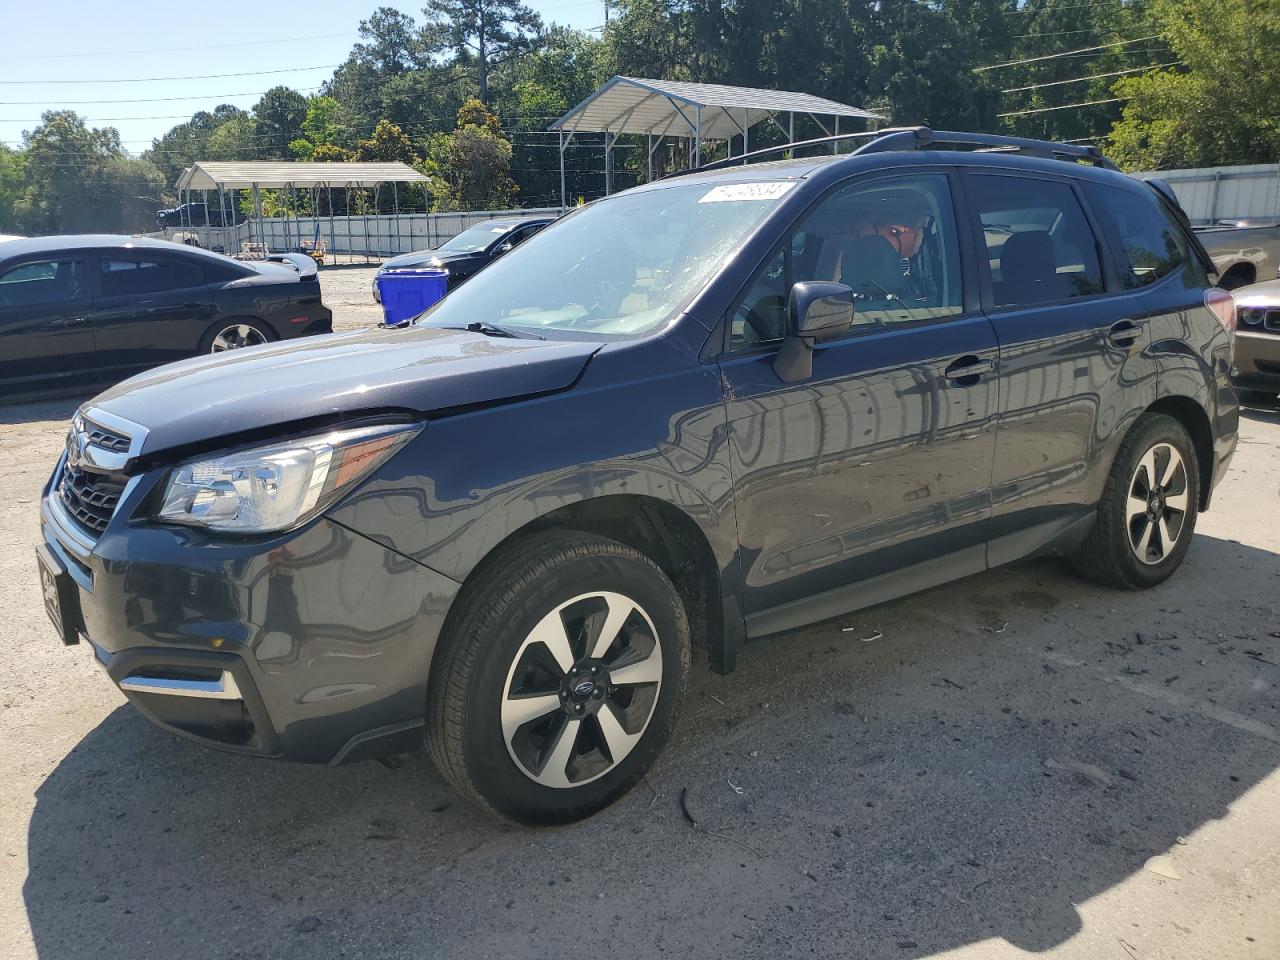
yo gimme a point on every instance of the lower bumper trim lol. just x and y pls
(223, 688)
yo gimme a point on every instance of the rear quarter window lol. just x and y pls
(1147, 242)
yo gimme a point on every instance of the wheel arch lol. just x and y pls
(1195, 420)
(661, 531)
(1238, 274)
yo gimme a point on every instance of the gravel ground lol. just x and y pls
(1018, 763)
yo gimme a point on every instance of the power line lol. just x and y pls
(1065, 106)
(203, 46)
(1065, 53)
(199, 96)
(196, 76)
(1056, 7)
(1096, 76)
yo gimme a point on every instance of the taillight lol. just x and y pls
(1223, 306)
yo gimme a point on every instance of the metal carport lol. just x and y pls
(692, 111)
(256, 175)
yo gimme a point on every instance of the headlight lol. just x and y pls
(270, 488)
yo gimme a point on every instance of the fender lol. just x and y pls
(641, 423)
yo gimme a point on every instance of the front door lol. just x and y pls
(881, 459)
(1074, 372)
(149, 310)
(45, 343)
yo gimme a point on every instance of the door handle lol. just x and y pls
(1123, 333)
(68, 322)
(969, 370)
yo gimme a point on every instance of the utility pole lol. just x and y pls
(606, 12)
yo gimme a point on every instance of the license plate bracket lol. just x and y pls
(61, 596)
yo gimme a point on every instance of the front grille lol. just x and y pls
(1272, 320)
(100, 436)
(90, 498)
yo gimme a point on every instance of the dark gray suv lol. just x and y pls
(706, 410)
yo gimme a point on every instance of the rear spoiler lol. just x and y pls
(1165, 192)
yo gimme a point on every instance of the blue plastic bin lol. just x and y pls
(406, 293)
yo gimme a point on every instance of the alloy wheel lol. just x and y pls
(236, 336)
(1157, 504)
(581, 689)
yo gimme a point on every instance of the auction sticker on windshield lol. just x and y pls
(725, 193)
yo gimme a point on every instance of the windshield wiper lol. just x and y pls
(493, 330)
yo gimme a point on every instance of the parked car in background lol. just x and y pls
(470, 250)
(79, 312)
(1243, 251)
(1255, 366)
(716, 407)
(194, 215)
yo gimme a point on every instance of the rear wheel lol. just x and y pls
(558, 685)
(1148, 511)
(232, 335)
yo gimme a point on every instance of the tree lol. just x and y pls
(388, 144)
(237, 139)
(1219, 105)
(279, 115)
(473, 163)
(483, 34)
(12, 166)
(77, 179)
(186, 143)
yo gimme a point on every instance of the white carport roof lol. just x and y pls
(676, 108)
(238, 175)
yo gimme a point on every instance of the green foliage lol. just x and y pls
(1219, 105)
(482, 35)
(387, 144)
(279, 116)
(237, 139)
(473, 163)
(12, 171)
(77, 179)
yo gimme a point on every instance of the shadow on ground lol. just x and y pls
(896, 799)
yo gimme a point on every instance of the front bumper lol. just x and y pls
(313, 645)
(1256, 361)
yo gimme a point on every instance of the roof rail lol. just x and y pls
(922, 138)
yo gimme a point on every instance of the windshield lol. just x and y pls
(620, 267)
(475, 239)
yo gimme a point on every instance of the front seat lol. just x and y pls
(870, 268)
(1029, 270)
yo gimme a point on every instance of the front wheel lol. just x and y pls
(558, 684)
(1148, 511)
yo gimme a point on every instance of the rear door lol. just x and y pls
(1074, 368)
(149, 309)
(45, 341)
(881, 459)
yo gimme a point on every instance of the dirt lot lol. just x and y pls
(1018, 763)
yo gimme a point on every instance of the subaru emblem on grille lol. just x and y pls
(76, 442)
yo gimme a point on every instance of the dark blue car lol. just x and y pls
(706, 410)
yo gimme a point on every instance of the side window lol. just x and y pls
(893, 241)
(125, 276)
(39, 282)
(1149, 244)
(1040, 247)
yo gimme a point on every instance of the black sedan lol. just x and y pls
(82, 312)
(470, 250)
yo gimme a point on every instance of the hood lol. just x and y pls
(1264, 294)
(420, 369)
(425, 258)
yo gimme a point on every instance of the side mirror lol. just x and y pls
(817, 311)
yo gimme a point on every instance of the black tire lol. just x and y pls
(1110, 554)
(476, 672)
(259, 329)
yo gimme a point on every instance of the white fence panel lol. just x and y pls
(1209, 194)
(373, 236)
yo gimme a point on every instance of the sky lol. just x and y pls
(67, 54)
